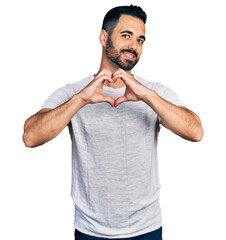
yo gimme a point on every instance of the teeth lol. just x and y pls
(128, 55)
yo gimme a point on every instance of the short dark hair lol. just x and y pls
(112, 17)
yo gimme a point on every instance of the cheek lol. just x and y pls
(139, 52)
(121, 46)
(140, 49)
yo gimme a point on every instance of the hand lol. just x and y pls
(93, 92)
(135, 91)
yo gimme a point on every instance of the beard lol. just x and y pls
(116, 57)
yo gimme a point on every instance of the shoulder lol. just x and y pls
(63, 94)
(151, 85)
(73, 88)
(79, 85)
(162, 90)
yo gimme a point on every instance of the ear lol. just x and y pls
(103, 37)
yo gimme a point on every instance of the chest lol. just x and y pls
(128, 118)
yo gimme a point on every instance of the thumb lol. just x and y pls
(109, 100)
(120, 100)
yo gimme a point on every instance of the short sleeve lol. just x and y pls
(59, 97)
(168, 94)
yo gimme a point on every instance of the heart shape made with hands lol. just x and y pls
(133, 87)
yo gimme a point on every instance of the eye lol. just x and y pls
(125, 36)
(141, 41)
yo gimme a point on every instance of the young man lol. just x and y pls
(113, 118)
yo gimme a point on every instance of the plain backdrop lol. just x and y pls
(46, 44)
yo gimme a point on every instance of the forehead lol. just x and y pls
(134, 24)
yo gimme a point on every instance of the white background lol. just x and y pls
(46, 44)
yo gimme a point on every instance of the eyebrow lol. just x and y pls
(131, 33)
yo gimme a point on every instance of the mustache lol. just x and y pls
(130, 51)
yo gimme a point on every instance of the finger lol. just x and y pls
(103, 78)
(122, 76)
(107, 72)
(109, 100)
(121, 71)
(120, 100)
(104, 72)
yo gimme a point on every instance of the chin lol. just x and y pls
(128, 67)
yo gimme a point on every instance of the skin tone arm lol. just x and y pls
(48, 123)
(179, 120)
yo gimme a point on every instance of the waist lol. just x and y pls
(153, 234)
(124, 225)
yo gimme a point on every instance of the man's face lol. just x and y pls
(124, 45)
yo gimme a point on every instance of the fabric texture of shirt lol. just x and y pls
(115, 183)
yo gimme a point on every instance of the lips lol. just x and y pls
(130, 54)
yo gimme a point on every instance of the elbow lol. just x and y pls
(197, 137)
(193, 135)
(28, 141)
(198, 131)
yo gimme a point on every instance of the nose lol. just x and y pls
(133, 44)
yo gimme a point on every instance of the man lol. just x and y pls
(113, 119)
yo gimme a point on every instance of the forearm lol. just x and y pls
(179, 120)
(47, 124)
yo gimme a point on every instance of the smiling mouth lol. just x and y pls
(129, 55)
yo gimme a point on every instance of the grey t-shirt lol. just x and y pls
(115, 183)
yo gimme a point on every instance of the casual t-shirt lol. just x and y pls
(115, 183)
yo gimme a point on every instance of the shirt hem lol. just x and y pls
(135, 234)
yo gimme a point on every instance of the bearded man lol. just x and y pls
(113, 119)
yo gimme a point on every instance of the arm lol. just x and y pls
(48, 123)
(179, 120)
